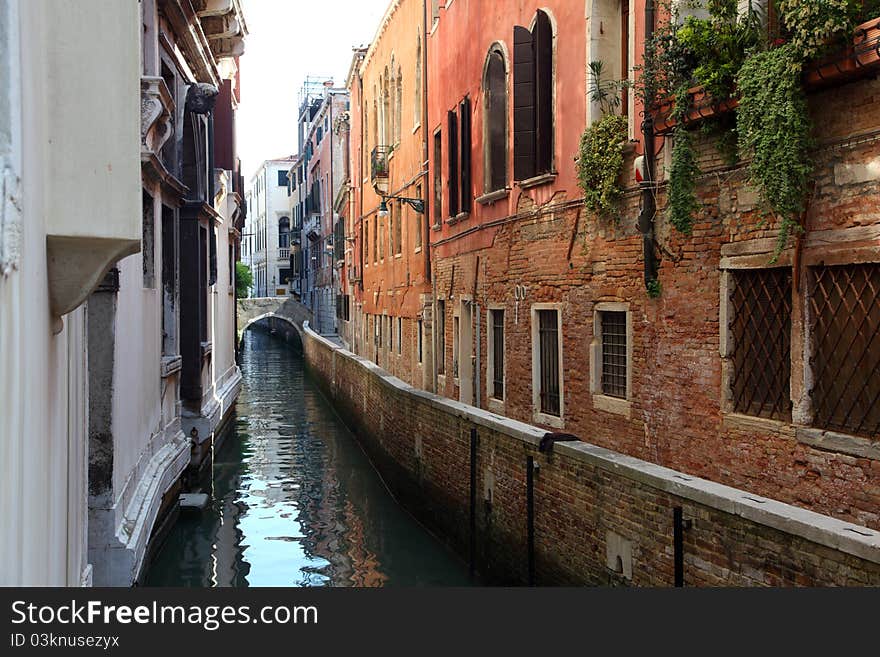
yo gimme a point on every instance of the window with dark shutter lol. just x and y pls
(452, 169)
(464, 111)
(438, 178)
(543, 43)
(282, 179)
(495, 116)
(523, 104)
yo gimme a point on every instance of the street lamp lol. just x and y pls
(416, 204)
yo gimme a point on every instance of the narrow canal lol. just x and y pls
(294, 500)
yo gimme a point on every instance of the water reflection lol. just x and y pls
(295, 501)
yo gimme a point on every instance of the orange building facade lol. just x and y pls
(389, 259)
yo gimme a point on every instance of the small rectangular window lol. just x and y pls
(399, 335)
(613, 353)
(455, 346)
(282, 178)
(441, 337)
(496, 352)
(419, 338)
(548, 353)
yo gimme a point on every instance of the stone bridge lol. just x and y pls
(286, 309)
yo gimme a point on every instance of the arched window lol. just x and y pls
(495, 121)
(284, 233)
(533, 139)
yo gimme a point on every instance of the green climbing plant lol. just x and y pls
(683, 171)
(600, 156)
(775, 131)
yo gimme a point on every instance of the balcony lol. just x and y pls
(379, 165)
(283, 254)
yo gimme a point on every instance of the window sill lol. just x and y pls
(537, 181)
(613, 405)
(495, 405)
(492, 197)
(416, 128)
(398, 256)
(550, 420)
(831, 441)
(418, 249)
(742, 422)
(461, 216)
(207, 348)
(170, 365)
(437, 227)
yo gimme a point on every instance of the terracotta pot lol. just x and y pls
(866, 43)
(702, 107)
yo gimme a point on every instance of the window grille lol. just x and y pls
(614, 353)
(845, 339)
(441, 337)
(761, 330)
(498, 354)
(548, 341)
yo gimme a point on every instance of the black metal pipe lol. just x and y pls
(473, 509)
(530, 517)
(649, 206)
(678, 545)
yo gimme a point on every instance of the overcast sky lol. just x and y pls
(288, 40)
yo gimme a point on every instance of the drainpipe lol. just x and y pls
(649, 205)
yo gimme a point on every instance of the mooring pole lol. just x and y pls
(678, 545)
(530, 516)
(473, 510)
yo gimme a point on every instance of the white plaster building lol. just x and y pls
(115, 367)
(266, 241)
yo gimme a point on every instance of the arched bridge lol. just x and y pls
(284, 308)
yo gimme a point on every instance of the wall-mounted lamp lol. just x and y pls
(416, 204)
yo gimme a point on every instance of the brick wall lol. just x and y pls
(678, 413)
(593, 507)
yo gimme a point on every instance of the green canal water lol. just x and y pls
(294, 500)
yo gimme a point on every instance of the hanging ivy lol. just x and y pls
(774, 129)
(681, 190)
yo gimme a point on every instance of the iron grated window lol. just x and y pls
(548, 341)
(498, 354)
(613, 353)
(845, 359)
(761, 329)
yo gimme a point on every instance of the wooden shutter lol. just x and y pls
(523, 104)
(452, 170)
(543, 40)
(466, 190)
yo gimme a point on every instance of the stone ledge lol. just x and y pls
(814, 527)
(831, 441)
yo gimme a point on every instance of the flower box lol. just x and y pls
(703, 106)
(864, 53)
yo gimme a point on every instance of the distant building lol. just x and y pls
(266, 246)
(117, 297)
(324, 166)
